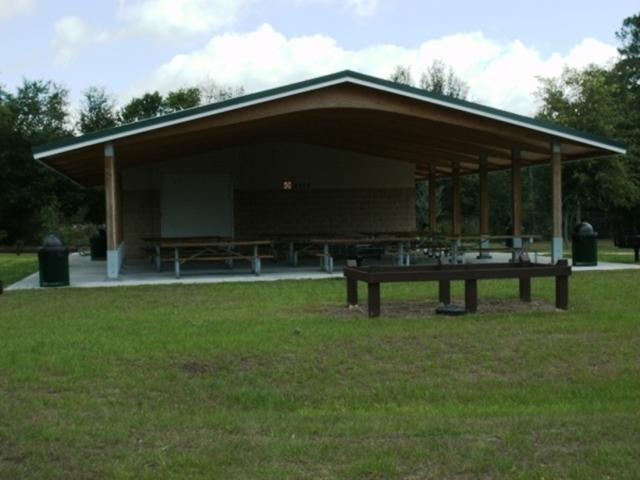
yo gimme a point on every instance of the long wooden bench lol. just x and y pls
(444, 273)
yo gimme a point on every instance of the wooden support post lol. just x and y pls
(516, 192)
(525, 282)
(556, 202)
(444, 286)
(115, 223)
(484, 195)
(483, 184)
(562, 288)
(352, 292)
(525, 289)
(374, 300)
(456, 194)
(471, 295)
(112, 197)
(433, 207)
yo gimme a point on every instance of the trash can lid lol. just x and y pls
(99, 233)
(52, 241)
(584, 229)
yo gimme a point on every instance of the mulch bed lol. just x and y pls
(416, 309)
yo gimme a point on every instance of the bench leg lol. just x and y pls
(444, 287)
(374, 300)
(637, 257)
(562, 292)
(525, 289)
(256, 266)
(471, 295)
(352, 292)
(176, 257)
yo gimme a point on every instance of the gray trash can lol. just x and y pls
(53, 260)
(98, 243)
(584, 246)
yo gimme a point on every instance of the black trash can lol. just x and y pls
(98, 243)
(53, 259)
(584, 246)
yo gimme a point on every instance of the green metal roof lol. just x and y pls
(122, 131)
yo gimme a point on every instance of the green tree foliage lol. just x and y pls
(402, 74)
(154, 104)
(440, 78)
(590, 100)
(629, 64)
(29, 192)
(181, 99)
(211, 91)
(97, 111)
(41, 111)
(147, 106)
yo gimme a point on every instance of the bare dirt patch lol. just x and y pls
(417, 309)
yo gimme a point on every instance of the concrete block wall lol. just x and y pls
(266, 212)
(141, 211)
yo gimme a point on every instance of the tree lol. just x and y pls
(629, 64)
(140, 108)
(211, 91)
(41, 111)
(181, 99)
(97, 111)
(589, 100)
(441, 78)
(402, 74)
(29, 192)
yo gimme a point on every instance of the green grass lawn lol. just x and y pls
(259, 381)
(16, 267)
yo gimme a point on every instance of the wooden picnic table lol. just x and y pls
(181, 250)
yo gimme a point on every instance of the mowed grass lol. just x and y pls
(259, 381)
(16, 267)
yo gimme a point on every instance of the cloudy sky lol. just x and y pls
(498, 47)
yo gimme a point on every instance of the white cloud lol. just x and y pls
(179, 20)
(12, 8)
(363, 8)
(72, 35)
(174, 21)
(501, 75)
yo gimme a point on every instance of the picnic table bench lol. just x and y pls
(482, 244)
(445, 272)
(629, 241)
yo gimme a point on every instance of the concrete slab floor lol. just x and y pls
(83, 272)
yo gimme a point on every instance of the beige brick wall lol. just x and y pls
(260, 212)
(141, 211)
